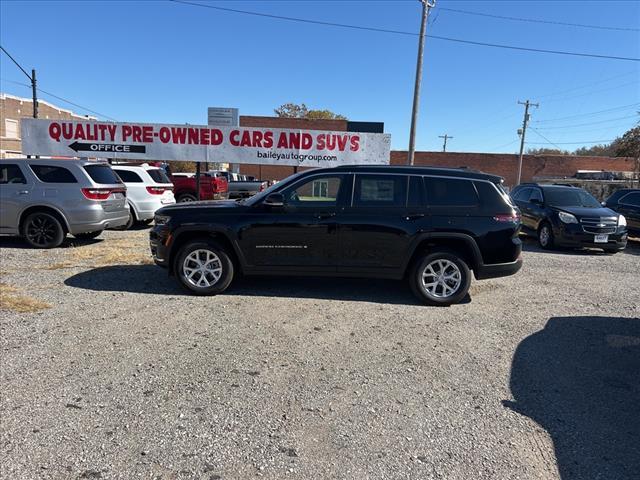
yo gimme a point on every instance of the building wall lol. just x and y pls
(14, 108)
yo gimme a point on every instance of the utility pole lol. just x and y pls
(444, 145)
(32, 79)
(525, 122)
(427, 5)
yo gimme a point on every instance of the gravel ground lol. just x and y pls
(537, 376)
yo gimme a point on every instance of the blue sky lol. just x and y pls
(166, 62)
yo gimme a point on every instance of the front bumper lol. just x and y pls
(573, 236)
(159, 239)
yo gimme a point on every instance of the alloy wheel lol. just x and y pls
(441, 278)
(41, 230)
(202, 268)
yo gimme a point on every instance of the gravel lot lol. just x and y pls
(537, 376)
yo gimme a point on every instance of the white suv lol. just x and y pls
(148, 189)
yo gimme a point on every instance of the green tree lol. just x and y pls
(547, 151)
(293, 110)
(629, 144)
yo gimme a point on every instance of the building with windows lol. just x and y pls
(13, 108)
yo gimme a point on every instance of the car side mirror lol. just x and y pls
(275, 200)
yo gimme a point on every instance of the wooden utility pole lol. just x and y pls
(525, 122)
(444, 145)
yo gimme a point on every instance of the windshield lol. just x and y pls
(570, 197)
(257, 198)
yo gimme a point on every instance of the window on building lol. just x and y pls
(51, 174)
(380, 191)
(450, 192)
(10, 173)
(11, 128)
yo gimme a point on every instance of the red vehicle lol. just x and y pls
(212, 187)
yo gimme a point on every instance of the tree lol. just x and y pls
(629, 144)
(547, 151)
(293, 110)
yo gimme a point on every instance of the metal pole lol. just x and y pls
(34, 92)
(426, 6)
(525, 122)
(198, 180)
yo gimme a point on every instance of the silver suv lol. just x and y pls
(44, 199)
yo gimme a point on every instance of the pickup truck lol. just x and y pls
(212, 187)
(239, 186)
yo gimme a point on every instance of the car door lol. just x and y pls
(521, 199)
(378, 225)
(534, 211)
(15, 192)
(629, 206)
(302, 235)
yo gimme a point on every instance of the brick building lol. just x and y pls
(12, 109)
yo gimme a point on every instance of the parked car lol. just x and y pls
(148, 189)
(433, 226)
(44, 199)
(626, 201)
(568, 216)
(240, 186)
(212, 187)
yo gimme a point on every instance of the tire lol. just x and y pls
(545, 236)
(429, 265)
(186, 197)
(131, 221)
(88, 235)
(43, 230)
(212, 254)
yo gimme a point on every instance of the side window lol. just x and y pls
(127, 176)
(450, 192)
(632, 199)
(318, 191)
(51, 174)
(523, 195)
(536, 194)
(10, 173)
(380, 191)
(415, 198)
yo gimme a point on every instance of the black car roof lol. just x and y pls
(415, 170)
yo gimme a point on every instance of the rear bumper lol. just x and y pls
(495, 270)
(101, 220)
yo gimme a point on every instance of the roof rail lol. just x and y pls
(563, 184)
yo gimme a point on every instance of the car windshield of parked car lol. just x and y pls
(570, 197)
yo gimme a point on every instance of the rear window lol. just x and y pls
(128, 176)
(158, 176)
(450, 192)
(51, 174)
(102, 174)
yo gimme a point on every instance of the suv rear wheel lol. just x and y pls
(43, 230)
(204, 267)
(440, 278)
(88, 235)
(186, 197)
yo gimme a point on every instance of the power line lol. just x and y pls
(622, 107)
(534, 20)
(549, 141)
(616, 87)
(589, 123)
(586, 85)
(62, 99)
(571, 143)
(505, 145)
(402, 32)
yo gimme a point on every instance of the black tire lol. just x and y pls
(546, 240)
(88, 235)
(223, 261)
(43, 230)
(186, 197)
(431, 297)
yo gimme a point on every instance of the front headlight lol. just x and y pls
(567, 217)
(161, 219)
(622, 222)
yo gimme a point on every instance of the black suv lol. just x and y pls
(431, 225)
(567, 216)
(626, 201)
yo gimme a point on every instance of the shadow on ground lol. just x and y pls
(151, 279)
(579, 378)
(531, 245)
(17, 242)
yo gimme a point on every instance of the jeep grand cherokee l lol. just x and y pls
(566, 216)
(432, 226)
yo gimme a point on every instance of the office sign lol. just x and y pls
(223, 117)
(145, 141)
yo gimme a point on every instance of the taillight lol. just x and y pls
(261, 187)
(157, 190)
(507, 218)
(96, 193)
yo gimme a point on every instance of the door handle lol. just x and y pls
(414, 216)
(323, 216)
(23, 192)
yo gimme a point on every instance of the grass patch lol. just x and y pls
(12, 299)
(121, 251)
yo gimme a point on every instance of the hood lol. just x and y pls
(588, 212)
(208, 204)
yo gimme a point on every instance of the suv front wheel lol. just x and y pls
(204, 267)
(440, 278)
